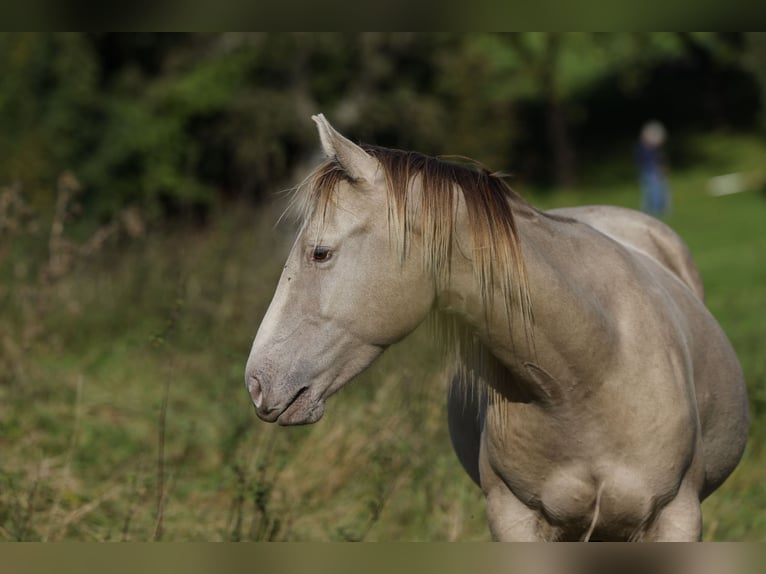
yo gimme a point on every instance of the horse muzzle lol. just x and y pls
(296, 407)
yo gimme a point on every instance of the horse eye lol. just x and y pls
(321, 254)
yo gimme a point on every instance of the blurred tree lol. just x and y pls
(755, 59)
(174, 122)
(553, 68)
(572, 92)
(48, 84)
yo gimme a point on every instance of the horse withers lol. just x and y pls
(594, 395)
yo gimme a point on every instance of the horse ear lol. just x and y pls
(357, 162)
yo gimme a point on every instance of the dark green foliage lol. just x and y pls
(173, 123)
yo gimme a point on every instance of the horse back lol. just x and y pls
(644, 233)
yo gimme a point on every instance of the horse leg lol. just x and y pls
(510, 520)
(680, 520)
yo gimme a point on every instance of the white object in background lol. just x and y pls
(726, 184)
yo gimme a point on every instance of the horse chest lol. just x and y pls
(615, 503)
(572, 491)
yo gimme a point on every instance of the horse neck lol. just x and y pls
(560, 303)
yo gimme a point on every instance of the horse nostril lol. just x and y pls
(256, 393)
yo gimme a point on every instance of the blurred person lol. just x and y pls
(655, 195)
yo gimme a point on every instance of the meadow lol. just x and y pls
(123, 411)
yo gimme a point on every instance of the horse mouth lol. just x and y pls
(302, 410)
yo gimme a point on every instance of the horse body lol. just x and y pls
(609, 415)
(628, 437)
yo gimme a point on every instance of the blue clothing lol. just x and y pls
(654, 191)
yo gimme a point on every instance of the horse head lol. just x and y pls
(339, 302)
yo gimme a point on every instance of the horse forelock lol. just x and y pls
(311, 198)
(489, 201)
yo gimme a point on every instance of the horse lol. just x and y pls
(594, 395)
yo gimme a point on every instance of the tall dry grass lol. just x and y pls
(123, 413)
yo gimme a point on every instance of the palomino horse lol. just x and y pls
(595, 396)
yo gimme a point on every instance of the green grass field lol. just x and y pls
(123, 413)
